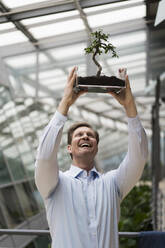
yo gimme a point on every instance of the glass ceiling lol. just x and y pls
(40, 41)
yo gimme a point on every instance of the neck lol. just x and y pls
(84, 165)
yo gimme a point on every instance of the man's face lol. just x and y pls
(83, 143)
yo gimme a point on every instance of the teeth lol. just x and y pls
(85, 144)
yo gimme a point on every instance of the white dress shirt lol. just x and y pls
(83, 210)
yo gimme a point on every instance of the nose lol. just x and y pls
(85, 136)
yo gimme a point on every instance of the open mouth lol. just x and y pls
(85, 145)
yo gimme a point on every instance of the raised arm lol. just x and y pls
(131, 168)
(46, 167)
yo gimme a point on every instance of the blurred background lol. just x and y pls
(40, 41)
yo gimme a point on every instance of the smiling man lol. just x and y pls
(82, 205)
(83, 145)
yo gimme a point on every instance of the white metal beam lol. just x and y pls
(49, 7)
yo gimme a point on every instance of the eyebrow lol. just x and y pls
(88, 132)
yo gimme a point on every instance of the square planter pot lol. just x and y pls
(100, 84)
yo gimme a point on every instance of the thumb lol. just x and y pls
(127, 83)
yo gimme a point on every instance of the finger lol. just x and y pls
(127, 83)
(73, 79)
(122, 73)
(71, 73)
(81, 92)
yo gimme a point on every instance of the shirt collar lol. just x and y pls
(75, 171)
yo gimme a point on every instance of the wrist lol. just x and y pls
(131, 110)
(63, 107)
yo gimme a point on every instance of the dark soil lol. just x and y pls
(102, 80)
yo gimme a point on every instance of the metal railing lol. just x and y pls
(46, 232)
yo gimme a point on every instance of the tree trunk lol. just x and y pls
(97, 64)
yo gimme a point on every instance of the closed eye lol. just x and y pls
(79, 134)
(91, 135)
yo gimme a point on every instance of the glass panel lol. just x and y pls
(42, 242)
(25, 60)
(117, 16)
(12, 38)
(2, 219)
(36, 195)
(4, 174)
(112, 6)
(24, 200)
(31, 245)
(19, 3)
(66, 52)
(5, 96)
(28, 161)
(130, 39)
(53, 17)
(57, 28)
(14, 163)
(31, 197)
(8, 25)
(10, 203)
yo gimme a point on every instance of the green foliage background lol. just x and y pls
(135, 214)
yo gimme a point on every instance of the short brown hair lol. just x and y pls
(77, 125)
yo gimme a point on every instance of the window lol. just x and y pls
(25, 200)
(31, 197)
(4, 174)
(10, 204)
(14, 163)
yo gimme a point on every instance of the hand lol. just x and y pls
(125, 97)
(69, 96)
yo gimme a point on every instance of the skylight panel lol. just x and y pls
(12, 38)
(117, 16)
(129, 39)
(137, 70)
(58, 28)
(25, 60)
(19, 3)
(5, 26)
(56, 16)
(69, 51)
(48, 74)
(112, 5)
(128, 58)
(132, 65)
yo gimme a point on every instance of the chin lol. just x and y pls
(86, 152)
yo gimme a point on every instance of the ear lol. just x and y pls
(69, 148)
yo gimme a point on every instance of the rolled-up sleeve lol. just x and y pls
(46, 166)
(131, 168)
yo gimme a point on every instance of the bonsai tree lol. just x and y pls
(99, 44)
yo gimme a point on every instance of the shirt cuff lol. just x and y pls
(58, 118)
(134, 123)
